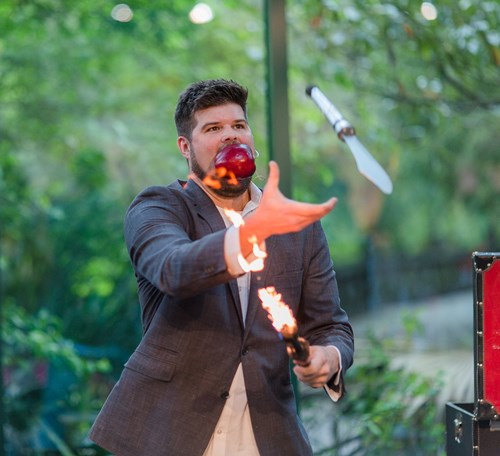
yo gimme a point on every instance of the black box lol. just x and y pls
(473, 429)
(466, 435)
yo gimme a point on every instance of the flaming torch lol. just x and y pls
(365, 162)
(284, 322)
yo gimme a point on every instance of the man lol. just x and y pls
(211, 376)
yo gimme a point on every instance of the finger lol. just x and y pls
(306, 375)
(304, 372)
(331, 203)
(315, 382)
(327, 206)
(313, 211)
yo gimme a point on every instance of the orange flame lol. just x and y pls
(279, 313)
(213, 179)
(256, 250)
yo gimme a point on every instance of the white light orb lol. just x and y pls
(429, 11)
(122, 13)
(201, 14)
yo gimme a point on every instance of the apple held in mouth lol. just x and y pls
(237, 159)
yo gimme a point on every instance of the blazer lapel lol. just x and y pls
(204, 206)
(207, 211)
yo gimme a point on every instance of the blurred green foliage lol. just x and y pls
(387, 411)
(423, 96)
(45, 376)
(393, 411)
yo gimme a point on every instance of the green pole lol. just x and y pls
(2, 403)
(277, 90)
(277, 103)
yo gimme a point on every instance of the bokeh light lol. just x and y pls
(429, 11)
(122, 13)
(201, 14)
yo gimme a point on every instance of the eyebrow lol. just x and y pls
(211, 124)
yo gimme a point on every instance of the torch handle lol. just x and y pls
(298, 349)
(341, 126)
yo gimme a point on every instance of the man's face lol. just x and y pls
(215, 128)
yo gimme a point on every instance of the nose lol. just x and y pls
(229, 135)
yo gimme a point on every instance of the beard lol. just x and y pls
(227, 190)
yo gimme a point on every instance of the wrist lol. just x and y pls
(332, 356)
(253, 231)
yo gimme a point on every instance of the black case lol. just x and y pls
(466, 435)
(473, 429)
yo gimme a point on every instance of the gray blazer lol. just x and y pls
(173, 388)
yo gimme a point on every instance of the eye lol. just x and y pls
(240, 126)
(213, 128)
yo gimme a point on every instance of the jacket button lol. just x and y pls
(224, 395)
(245, 352)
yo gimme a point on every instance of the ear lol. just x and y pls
(183, 145)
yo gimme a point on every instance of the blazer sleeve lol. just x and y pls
(321, 319)
(178, 255)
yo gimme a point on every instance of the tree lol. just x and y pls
(424, 95)
(86, 107)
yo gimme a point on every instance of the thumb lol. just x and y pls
(274, 175)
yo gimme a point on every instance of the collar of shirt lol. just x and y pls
(255, 197)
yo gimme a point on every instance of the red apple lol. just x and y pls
(237, 159)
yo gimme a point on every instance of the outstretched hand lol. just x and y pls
(278, 214)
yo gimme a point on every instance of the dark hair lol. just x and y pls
(203, 95)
